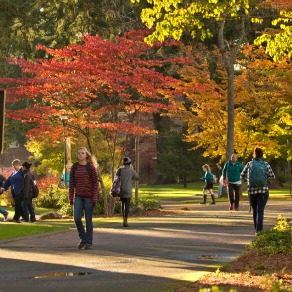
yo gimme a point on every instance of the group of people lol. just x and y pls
(84, 192)
(21, 183)
(232, 175)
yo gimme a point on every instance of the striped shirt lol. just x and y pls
(83, 185)
(256, 190)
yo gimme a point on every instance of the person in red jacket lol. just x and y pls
(83, 194)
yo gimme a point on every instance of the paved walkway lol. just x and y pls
(153, 254)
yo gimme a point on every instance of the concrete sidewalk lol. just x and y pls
(152, 254)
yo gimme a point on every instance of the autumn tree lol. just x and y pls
(227, 20)
(100, 85)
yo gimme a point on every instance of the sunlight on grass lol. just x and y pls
(13, 230)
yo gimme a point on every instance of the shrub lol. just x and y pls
(275, 241)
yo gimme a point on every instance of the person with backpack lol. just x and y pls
(258, 172)
(127, 174)
(231, 176)
(83, 195)
(208, 178)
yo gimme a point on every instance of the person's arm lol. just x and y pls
(271, 174)
(244, 172)
(95, 185)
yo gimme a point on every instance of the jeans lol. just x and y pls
(220, 186)
(3, 212)
(258, 203)
(125, 207)
(233, 193)
(80, 205)
(27, 208)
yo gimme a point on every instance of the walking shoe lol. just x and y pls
(231, 207)
(236, 209)
(81, 245)
(88, 246)
(6, 217)
(125, 223)
(203, 203)
(213, 203)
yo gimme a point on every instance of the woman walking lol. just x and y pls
(83, 194)
(27, 206)
(127, 174)
(232, 170)
(208, 178)
(258, 172)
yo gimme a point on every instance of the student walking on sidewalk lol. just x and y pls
(258, 172)
(83, 195)
(208, 178)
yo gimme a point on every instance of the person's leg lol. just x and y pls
(31, 211)
(220, 186)
(254, 205)
(231, 195)
(237, 195)
(88, 210)
(261, 201)
(25, 215)
(17, 208)
(126, 208)
(77, 212)
(4, 213)
(204, 196)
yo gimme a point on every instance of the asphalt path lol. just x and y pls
(152, 254)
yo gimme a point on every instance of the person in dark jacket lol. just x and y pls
(83, 194)
(27, 205)
(127, 174)
(232, 169)
(258, 195)
(16, 182)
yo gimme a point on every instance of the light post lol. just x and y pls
(64, 120)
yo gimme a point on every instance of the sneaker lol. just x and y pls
(203, 203)
(81, 245)
(231, 207)
(213, 203)
(6, 217)
(88, 246)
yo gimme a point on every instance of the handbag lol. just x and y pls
(224, 182)
(61, 184)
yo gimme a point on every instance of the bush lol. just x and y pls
(275, 241)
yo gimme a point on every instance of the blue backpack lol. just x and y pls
(258, 173)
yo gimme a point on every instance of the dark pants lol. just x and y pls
(233, 194)
(258, 203)
(125, 207)
(17, 208)
(27, 209)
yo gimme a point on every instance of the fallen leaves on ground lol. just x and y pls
(250, 272)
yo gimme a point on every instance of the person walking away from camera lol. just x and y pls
(83, 194)
(208, 179)
(3, 211)
(258, 172)
(219, 174)
(127, 174)
(16, 182)
(233, 169)
(27, 204)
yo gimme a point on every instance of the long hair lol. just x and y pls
(206, 166)
(89, 157)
